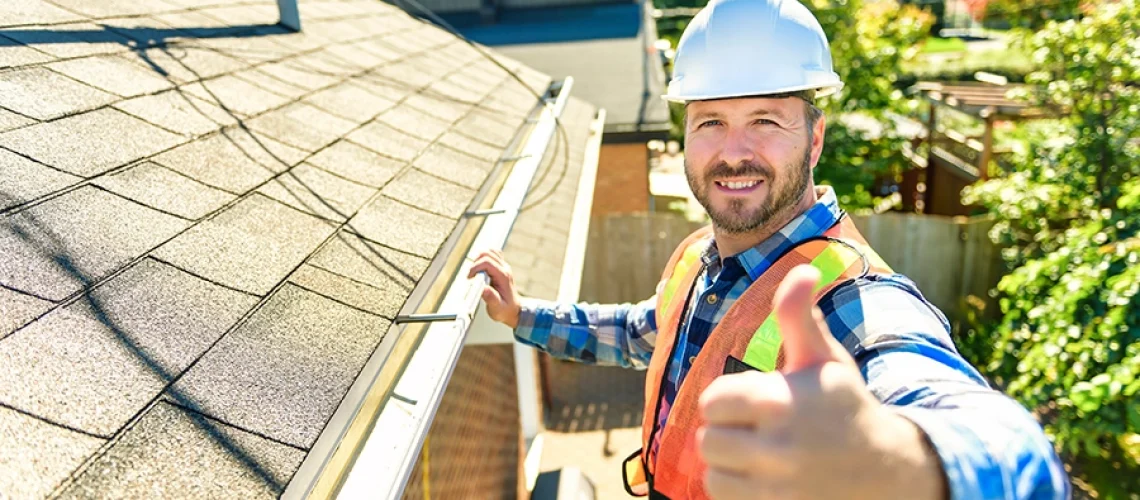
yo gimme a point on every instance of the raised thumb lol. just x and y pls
(806, 339)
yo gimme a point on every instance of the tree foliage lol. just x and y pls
(1032, 14)
(870, 40)
(1068, 343)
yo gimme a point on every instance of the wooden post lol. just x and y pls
(931, 133)
(987, 144)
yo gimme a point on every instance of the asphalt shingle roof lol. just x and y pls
(208, 224)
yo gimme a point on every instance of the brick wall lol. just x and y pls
(623, 179)
(474, 443)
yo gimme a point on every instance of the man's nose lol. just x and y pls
(737, 149)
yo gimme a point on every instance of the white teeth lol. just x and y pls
(738, 185)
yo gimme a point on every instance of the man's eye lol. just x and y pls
(765, 121)
(709, 123)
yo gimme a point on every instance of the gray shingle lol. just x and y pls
(245, 14)
(334, 31)
(407, 74)
(283, 373)
(478, 149)
(350, 101)
(301, 125)
(235, 94)
(460, 168)
(264, 80)
(356, 163)
(375, 48)
(90, 231)
(173, 453)
(310, 189)
(470, 91)
(326, 63)
(33, 12)
(106, 8)
(430, 193)
(113, 73)
(43, 94)
(383, 87)
(37, 456)
(188, 64)
(385, 302)
(158, 187)
(351, 255)
(414, 122)
(251, 49)
(26, 180)
(144, 30)
(231, 160)
(69, 40)
(405, 42)
(90, 143)
(13, 54)
(193, 22)
(251, 246)
(391, 223)
(301, 41)
(149, 323)
(17, 309)
(488, 128)
(447, 108)
(359, 54)
(10, 120)
(178, 112)
(388, 141)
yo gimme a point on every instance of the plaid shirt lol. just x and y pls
(989, 445)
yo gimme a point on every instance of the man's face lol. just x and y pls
(749, 159)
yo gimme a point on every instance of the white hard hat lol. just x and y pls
(738, 48)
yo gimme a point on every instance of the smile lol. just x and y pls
(737, 185)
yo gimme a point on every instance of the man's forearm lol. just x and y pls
(987, 444)
(615, 335)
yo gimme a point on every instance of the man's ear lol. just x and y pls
(817, 133)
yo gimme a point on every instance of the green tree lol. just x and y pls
(870, 40)
(1068, 342)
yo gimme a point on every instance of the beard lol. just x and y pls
(738, 218)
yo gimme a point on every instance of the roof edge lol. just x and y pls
(374, 438)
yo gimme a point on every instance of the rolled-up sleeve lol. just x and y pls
(606, 334)
(989, 445)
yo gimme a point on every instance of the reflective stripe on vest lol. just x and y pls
(764, 347)
(747, 332)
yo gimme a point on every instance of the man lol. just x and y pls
(785, 359)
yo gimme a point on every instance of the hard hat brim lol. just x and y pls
(821, 91)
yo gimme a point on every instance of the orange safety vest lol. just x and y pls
(746, 338)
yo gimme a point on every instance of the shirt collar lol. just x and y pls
(813, 222)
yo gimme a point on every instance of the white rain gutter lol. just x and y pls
(381, 459)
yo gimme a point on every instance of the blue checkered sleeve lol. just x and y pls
(990, 447)
(617, 335)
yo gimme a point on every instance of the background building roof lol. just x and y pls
(608, 48)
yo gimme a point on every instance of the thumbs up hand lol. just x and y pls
(812, 430)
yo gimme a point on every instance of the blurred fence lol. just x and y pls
(626, 254)
(951, 259)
